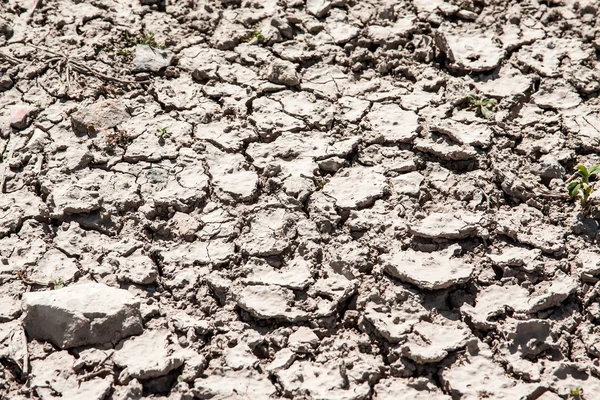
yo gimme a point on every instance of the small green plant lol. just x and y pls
(162, 132)
(483, 105)
(581, 187)
(57, 283)
(255, 34)
(180, 378)
(143, 38)
(576, 393)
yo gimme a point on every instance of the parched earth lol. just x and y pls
(231, 199)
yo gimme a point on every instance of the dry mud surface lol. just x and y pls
(225, 199)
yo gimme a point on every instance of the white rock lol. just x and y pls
(150, 59)
(493, 301)
(392, 124)
(234, 385)
(283, 359)
(431, 271)
(432, 342)
(234, 179)
(356, 187)
(137, 268)
(404, 389)
(270, 232)
(266, 302)
(318, 8)
(443, 225)
(469, 52)
(321, 380)
(409, 184)
(479, 135)
(150, 355)
(480, 374)
(240, 357)
(556, 94)
(304, 340)
(283, 72)
(54, 378)
(444, 150)
(82, 314)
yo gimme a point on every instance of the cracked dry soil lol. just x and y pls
(259, 199)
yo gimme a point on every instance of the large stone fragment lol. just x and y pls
(234, 385)
(404, 389)
(54, 378)
(266, 302)
(493, 301)
(82, 314)
(151, 59)
(478, 373)
(283, 72)
(150, 355)
(393, 124)
(469, 52)
(429, 343)
(431, 271)
(443, 225)
(102, 115)
(356, 187)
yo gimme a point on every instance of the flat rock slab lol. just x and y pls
(98, 116)
(151, 59)
(432, 342)
(470, 52)
(150, 355)
(393, 124)
(54, 378)
(431, 271)
(356, 187)
(401, 389)
(79, 315)
(445, 226)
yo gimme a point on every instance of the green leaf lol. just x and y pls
(573, 188)
(492, 102)
(485, 112)
(594, 170)
(583, 171)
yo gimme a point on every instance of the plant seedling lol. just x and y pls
(483, 105)
(576, 393)
(57, 283)
(162, 133)
(581, 187)
(255, 34)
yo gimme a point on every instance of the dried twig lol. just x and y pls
(81, 67)
(35, 5)
(9, 59)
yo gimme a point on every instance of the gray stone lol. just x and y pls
(150, 355)
(98, 116)
(150, 59)
(82, 314)
(283, 72)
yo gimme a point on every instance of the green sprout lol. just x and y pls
(144, 38)
(180, 378)
(255, 34)
(57, 283)
(576, 393)
(581, 187)
(483, 105)
(162, 132)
